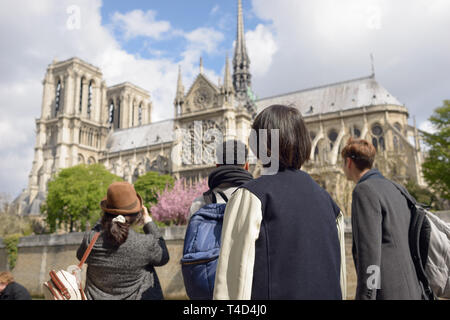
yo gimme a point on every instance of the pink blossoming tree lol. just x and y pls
(174, 203)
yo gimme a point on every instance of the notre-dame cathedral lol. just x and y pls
(85, 121)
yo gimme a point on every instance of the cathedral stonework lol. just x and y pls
(84, 121)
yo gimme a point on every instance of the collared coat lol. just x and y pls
(380, 225)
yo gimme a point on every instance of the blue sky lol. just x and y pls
(188, 16)
(292, 45)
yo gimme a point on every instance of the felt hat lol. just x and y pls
(121, 198)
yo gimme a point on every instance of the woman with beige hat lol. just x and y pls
(121, 263)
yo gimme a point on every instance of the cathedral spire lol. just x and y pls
(227, 80)
(179, 97)
(201, 65)
(241, 62)
(180, 87)
(373, 66)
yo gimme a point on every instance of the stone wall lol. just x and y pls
(37, 255)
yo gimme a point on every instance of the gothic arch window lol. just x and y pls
(135, 175)
(332, 136)
(80, 159)
(316, 153)
(90, 142)
(58, 97)
(111, 112)
(356, 132)
(97, 140)
(132, 115)
(312, 135)
(91, 160)
(117, 121)
(89, 104)
(80, 107)
(397, 143)
(320, 152)
(378, 137)
(140, 114)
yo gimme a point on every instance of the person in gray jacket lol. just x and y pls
(121, 264)
(380, 225)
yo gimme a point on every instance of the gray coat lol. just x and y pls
(127, 273)
(380, 223)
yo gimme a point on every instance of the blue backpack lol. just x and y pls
(201, 250)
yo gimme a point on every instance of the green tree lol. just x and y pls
(74, 196)
(148, 185)
(436, 167)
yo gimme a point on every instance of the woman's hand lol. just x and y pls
(145, 216)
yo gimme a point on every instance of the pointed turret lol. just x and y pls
(241, 61)
(227, 80)
(180, 87)
(201, 65)
(179, 98)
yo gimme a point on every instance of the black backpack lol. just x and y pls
(419, 241)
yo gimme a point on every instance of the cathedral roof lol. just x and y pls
(138, 137)
(334, 97)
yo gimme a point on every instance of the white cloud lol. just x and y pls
(261, 47)
(204, 39)
(427, 126)
(139, 23)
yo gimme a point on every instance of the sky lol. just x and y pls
(292, 44)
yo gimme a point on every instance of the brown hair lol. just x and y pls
(361, 152)
(117, 232)
(294, 139)
(6, 277)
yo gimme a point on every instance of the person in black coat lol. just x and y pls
(380, 224)
(11, 290)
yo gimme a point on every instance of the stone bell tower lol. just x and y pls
(72, 128)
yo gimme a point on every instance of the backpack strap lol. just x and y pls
(224, 197)
(214, 198)
(418, 223)
(409, 198)
(88, 250)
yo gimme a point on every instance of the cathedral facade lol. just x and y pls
(85, 121)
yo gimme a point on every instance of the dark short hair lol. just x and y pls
(236, 150)
(294, 139)
(361, 151)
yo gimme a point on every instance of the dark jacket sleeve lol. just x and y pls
(367, 236)
(83, 246)
(158, 254)
(88, 235)
(15, 291)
